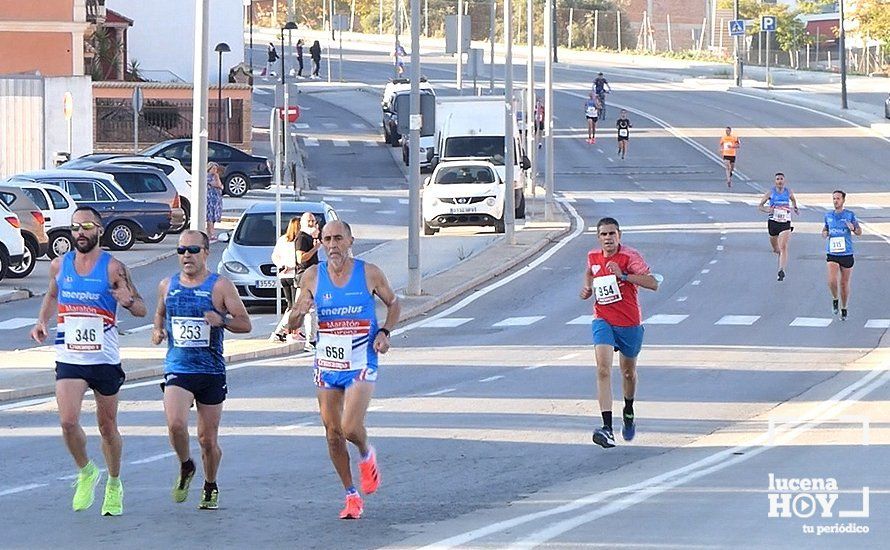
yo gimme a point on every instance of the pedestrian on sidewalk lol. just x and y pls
(214, 198)
(284, 256)
(300, 58)
(195, 307)
(539, 120)
(85, 287)
(315, 54)
(308, 244)
(344, 289)
(272, 58)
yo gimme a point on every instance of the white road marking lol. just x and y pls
(359, 125)
(581, 320)
(695, 282)
(705, 271)
(154, 458)
(518, 321)
(440, 392)
(446, 322)
(141, 328)
(332, 199)
(712, 262)
(602, 199)
(22, 489)
(491, 378)
(310, 142)
(870, 206)
(568, 356)
(340, 143)
(682, 298)
(370, 143)
(385, 212)
(717, 201)
(723, 237)
(719, 247)
(301, 126)
(738, 320)
(638, 199)
(663, 319)
(819, 322)
(680, 201)
(877, 323)
(17, 322)
(403, 201)
(536, 367)
(371, 200)
(329, 124)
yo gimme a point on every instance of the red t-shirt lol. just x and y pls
(624, 312)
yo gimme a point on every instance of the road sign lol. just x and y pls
(68, 105)
(138, 100)
(737, 27)
(768, 23)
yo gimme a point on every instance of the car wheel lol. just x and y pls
(236, 185)
(405, 156)
(29, 260)
(60, 243)
(154, 239)
(120, 236)
(4, 262)
(520, 206)
(187, 209)
(500, 226)
(385, 133)
(427, 230)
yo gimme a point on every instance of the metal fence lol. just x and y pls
(162, 119)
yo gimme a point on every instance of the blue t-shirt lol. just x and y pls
(840, 238)
(347, 322)
(193, 346)
(590, 108)
(599, 84)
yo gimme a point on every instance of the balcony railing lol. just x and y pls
(95, 11)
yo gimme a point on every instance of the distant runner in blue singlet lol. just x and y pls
(86, 286)
(343, 289)
(195, 308)
(779, 202)
(839, 227)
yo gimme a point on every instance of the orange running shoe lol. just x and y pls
(353, 508)
(370, 475)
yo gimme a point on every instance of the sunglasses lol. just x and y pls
(191, 249)
(85, 226)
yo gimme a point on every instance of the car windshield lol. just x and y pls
(491, 147)
(259, 229)
(464, 174)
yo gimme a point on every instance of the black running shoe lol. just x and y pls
(629, 430)
(604, 437)
(781, 274)
(834, 307)
(844, 314)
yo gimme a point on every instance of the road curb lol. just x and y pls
(16, 295)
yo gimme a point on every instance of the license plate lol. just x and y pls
(464, 210)
(267, 283)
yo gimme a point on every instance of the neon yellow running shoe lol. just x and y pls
(209, 499)
(85, 487)
(114, 498)
(181, 488)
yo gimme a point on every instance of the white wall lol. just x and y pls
(55, 137)
(163, 34)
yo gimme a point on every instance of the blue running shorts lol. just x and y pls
(626, 340)
(342, 379)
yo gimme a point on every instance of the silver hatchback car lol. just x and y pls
(247, 259)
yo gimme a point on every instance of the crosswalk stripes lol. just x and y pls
(310, 142)
(665, 319)
(581, 320)
(878, 323)
(301, 126)
(340, 143)
(819, 322)
(370, 143)
(17, 322)
(640, 199)
(446, 322)
(738, 320)
(332, 199)
(518, 321)
(403, 201)
(370, 200)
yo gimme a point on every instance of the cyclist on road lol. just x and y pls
(729, 147)
(600, 87)
(591, 112)
(781, 203)
(343, 289)
(840, 226)
(623, 125)
(195, 307)
(612, 276)
(85, 287)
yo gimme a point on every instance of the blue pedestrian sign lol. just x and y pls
(737, 27)
(768, 23)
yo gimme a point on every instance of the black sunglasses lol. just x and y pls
(86, 226)
(191, 249)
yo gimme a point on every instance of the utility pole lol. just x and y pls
(548, 110)
(530, 94)
(738, 47)
(460, 47)
(199, 115)
(493, 14)
(842, 54)
(553, 37)
(395, 21)
(509, 142)
(415, 123)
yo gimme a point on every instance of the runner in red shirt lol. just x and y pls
(612, 276)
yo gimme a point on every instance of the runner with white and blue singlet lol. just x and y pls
(781, 202)
(839, 227)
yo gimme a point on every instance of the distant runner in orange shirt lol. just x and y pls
(729, 146)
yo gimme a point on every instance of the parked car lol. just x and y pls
(32, 227)
(242, 171)
(461, 193)
(247, 259)
(395, 88)
(887, 107)
(84, 161)
(427, 150)
(124, 219)
(148, 184)
(12, 245)
(57, 207)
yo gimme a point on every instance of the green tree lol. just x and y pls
(873, 17)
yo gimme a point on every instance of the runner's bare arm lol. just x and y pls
(49, 305)
(763, 200)
(158, 331)
(305, 299)
(124, 290)
(231, 304)
(587, 289)
(380, 286)
(794, 201)
(646, 280)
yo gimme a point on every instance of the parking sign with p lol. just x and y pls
(768, 23)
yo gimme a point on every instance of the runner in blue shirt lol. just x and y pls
(840, 225)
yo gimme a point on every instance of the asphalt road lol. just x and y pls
(483, 414)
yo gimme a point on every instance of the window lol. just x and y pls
(59, 200)
(134, 183)
(7, 198)
(153, 183)
(102, 194)
(37, 196)
(166, 168)
(82, 191)
(218, 153)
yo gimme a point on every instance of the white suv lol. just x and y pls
(12, 245)
(461, 193)
(58, 208)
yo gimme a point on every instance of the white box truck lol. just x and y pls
(474, 128)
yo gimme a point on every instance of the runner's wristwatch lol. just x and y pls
(384, 331)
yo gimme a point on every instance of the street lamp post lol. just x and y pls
(510, 116)
(250, 50)
(842, 54)
(221, 48)
(285, 123)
